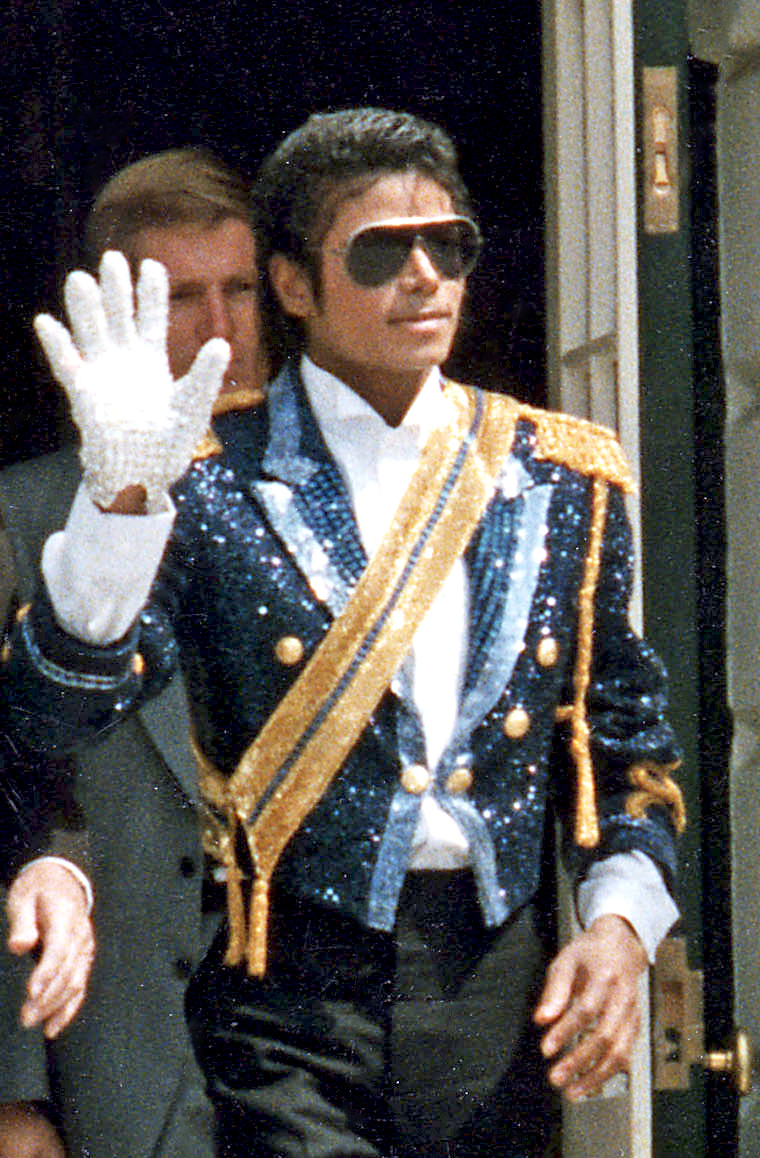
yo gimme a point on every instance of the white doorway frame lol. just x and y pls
(593, 356)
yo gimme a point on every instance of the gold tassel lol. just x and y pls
(586, 818)
(656, 786)
(257, 928)
(235, 906)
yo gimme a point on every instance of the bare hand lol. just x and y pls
(47, 908)
(590, 1002)
(25, 1132)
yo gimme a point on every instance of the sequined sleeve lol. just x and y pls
(626, 711)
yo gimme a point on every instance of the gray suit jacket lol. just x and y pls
(123, 1076)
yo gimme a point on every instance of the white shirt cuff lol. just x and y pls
(100, 569)
(75, 871)
(630, 885)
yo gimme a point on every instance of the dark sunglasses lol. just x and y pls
(376, 254)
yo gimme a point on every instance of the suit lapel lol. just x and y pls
(305, 498)
(503, 564)
(165, 719)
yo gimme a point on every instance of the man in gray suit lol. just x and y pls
(122, 1081)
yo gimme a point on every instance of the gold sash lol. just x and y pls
(292, 761)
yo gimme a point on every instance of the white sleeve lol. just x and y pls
(630, 885)
(100, 569)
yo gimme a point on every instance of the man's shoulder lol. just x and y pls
(243, 423)
(36, 493)
(575, 443)
(45, 469)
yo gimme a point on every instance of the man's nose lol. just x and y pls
(419, 272)
(216, 319)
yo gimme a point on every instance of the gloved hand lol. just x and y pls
(138, 426)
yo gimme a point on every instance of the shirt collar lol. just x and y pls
(337, 407)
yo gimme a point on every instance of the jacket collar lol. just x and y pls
(295, 450)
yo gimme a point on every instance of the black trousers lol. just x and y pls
(361, 1044)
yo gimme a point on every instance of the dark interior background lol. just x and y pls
(92, 85)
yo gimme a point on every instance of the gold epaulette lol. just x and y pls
(208, 446)
(580, 445)
(243, 399)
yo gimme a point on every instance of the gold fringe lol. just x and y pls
(257, 928)
(235, 905)
(580, 445)
(242, 398)
(586, 819)
(208, 446)
(656, 786)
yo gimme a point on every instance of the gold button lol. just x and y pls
(547, 652)
(138, 664)
(516, 723)
(415, 778)
(460, 780)
(23, 611)
(5, 654)
(289, 650)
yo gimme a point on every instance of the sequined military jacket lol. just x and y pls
(264, 555)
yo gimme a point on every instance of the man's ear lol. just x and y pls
(292, 285)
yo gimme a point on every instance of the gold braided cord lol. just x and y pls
(219, 837)
(655, 785)
(586, 819)
(235, 901)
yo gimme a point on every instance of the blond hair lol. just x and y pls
(187, 186)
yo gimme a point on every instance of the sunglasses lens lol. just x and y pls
(375, 256)
(453, 247)
(378, 254)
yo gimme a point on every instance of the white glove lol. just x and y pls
(138, 426)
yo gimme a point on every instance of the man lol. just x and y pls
(123, 1081)
(400, 610)
(48, 907)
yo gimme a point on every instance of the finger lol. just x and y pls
(558, 990)
(589, 1002)
(605, 1053)
(605, 1047)
(153, 305)
(50, 992)
(63, 1017)
(118, 300)
(23, 930)
(197, 391)
(56, 1014)
(62, 355)
(67, 942)
(84, 305)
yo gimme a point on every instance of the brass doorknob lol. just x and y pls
(736, 1061)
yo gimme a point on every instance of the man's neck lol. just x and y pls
(389, 393)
